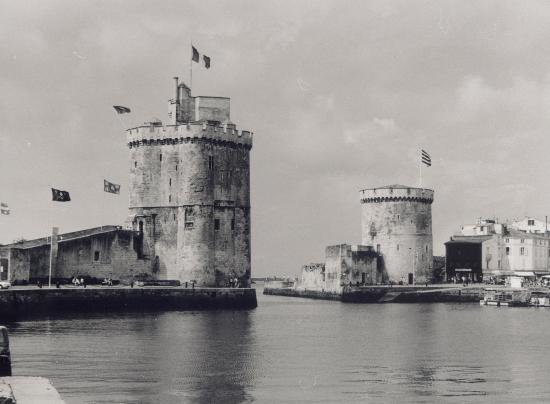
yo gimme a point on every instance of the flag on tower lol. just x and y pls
(60, 196)
(110, 187)
(195, 57)
(206, 61)
(4, 209)
(426, 159)
(121, 110)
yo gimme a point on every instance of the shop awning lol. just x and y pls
(463, 270)
(526, 273)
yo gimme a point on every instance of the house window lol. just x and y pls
(176, 167)
(378, 248)
(96, 255)
(397, 247)
(216, 224)
(170, 182)
(531, 222)
(522, 240)
(522, 251)
(169, 198)
(135, 164)
(507, 250)
(189, 218)
(160, 156)
(507, 240)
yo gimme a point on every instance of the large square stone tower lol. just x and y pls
(190, 192)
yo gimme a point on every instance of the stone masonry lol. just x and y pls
(397, 221)
(190, 191)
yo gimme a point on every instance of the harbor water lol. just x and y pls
(293, 350)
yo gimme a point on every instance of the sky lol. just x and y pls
(340, 96)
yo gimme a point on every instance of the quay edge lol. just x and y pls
(23, 302)
(384, 294)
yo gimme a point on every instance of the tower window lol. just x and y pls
(210, 163)
(232, 224)
(216, 224)
(96, 255)
(170, 182)
(169, 198)
(176, 167)
(135, 164)
(397, 247)
(160, 156)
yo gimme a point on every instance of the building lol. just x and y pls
(397, 219)
(344, 265)
(98, 253)
(189, 211)
(190, 191)
(490, 249)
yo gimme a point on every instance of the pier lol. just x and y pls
(389, 294)
(35, 301)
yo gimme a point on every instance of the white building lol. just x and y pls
(530, 225)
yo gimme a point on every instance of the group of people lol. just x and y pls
(78, 282)
(233, 282)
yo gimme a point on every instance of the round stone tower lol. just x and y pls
(397, 221)
(190, 192)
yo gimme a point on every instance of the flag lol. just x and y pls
(195, 57)
(60, 196)
(4, 209)
(206, 61)
(110, 187)
(426, 159)
(121, 110)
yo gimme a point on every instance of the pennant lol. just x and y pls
(195, 57)
(206, 60)
(110, 187)
(121, 110)
(4, 209)
(426, 159)
(60, 196)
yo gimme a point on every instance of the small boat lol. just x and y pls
(506, 297)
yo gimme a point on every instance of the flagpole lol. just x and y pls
(420, 185)
(191, 69)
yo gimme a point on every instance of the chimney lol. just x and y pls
(177, 90)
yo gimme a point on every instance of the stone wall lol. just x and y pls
(397, 221)
(190, 187)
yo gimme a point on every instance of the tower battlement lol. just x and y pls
(154, 135)
(396, 193)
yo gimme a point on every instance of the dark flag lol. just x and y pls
(206, 61)
(426, 159)
(110, 187)
(195, 57)
(60, 196)
(121, 110)
(4, 209)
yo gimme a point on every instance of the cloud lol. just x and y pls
(374, 130)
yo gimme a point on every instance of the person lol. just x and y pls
(39, 284)
(82, 281)
(58, 285)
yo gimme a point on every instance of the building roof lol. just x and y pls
(64, 237)
(395, 186)
(468, 239)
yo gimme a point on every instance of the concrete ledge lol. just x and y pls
(28, 390)
(22, 302)
(383, 294)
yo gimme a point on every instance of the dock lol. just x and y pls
(33, 301)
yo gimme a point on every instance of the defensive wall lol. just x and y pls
(397, 221)
(24, 302)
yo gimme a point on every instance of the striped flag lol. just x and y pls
(426, 159)
(194, 54)
(4, 209)
(110, 187)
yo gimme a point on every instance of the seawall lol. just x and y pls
(384, 294)
(28, 390)
(25, 301)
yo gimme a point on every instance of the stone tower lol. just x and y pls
(190, 192)
(397, 221)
